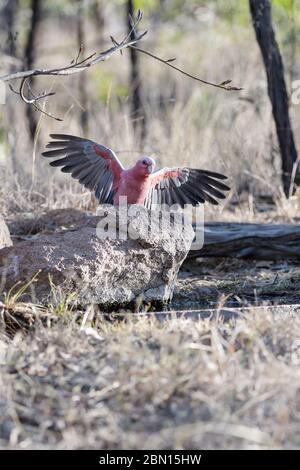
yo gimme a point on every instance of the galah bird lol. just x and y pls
(98, 169)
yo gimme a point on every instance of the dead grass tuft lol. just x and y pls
(142, 384)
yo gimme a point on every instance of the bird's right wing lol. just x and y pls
(93, 165)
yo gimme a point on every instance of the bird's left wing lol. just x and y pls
(93, 165)
(185, 186)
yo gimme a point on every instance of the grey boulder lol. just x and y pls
(88, 264)
(5, 239)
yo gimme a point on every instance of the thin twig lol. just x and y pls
(70, 69)
(77, 66)
(224, 85)
(34, 98)
(73, 68)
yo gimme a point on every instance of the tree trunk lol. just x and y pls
(136, 102)
(83, 95)
(97, 7)
(8, 21)
(265, 35)
(243, 240)
(29, 58)
(9, 14)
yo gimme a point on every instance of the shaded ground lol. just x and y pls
(206, 282)
(79, 381)
(202, 283)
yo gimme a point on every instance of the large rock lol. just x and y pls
(47, 222)
(80, 263)
(5, 239)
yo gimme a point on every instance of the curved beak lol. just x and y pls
(150, 169)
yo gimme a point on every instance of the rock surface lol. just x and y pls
(76, 262)
(5, 239)
(47, 222)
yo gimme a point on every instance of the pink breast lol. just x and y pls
(135, 190)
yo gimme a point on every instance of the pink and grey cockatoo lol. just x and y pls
(98, 169)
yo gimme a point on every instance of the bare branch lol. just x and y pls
(72, 68)
(77, 66)
(34, 98)
(224, 85)
(79, 54)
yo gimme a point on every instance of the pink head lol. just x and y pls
(145, 166)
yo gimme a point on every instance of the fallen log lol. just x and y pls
(221, 239)
(243, 240)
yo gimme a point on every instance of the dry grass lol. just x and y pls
(187, 123)
(141, 384)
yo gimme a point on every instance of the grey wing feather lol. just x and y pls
(187, 186)
(93, 170)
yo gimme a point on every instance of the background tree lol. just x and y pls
(30, 56)
(98, 18)
(262, 23)
(135, 87)
(81, 41)
(8, 23)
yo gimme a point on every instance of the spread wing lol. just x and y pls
(93, 165)
(185, 186)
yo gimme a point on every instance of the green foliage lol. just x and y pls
(2, 134)
(286, 18)
(67, 7)
(288, 6)
(108, 86)
(233, 11)
(146, 5)
(286, 13)
(17, 291)
(62, 303)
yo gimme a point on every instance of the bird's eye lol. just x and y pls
(144, 162)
